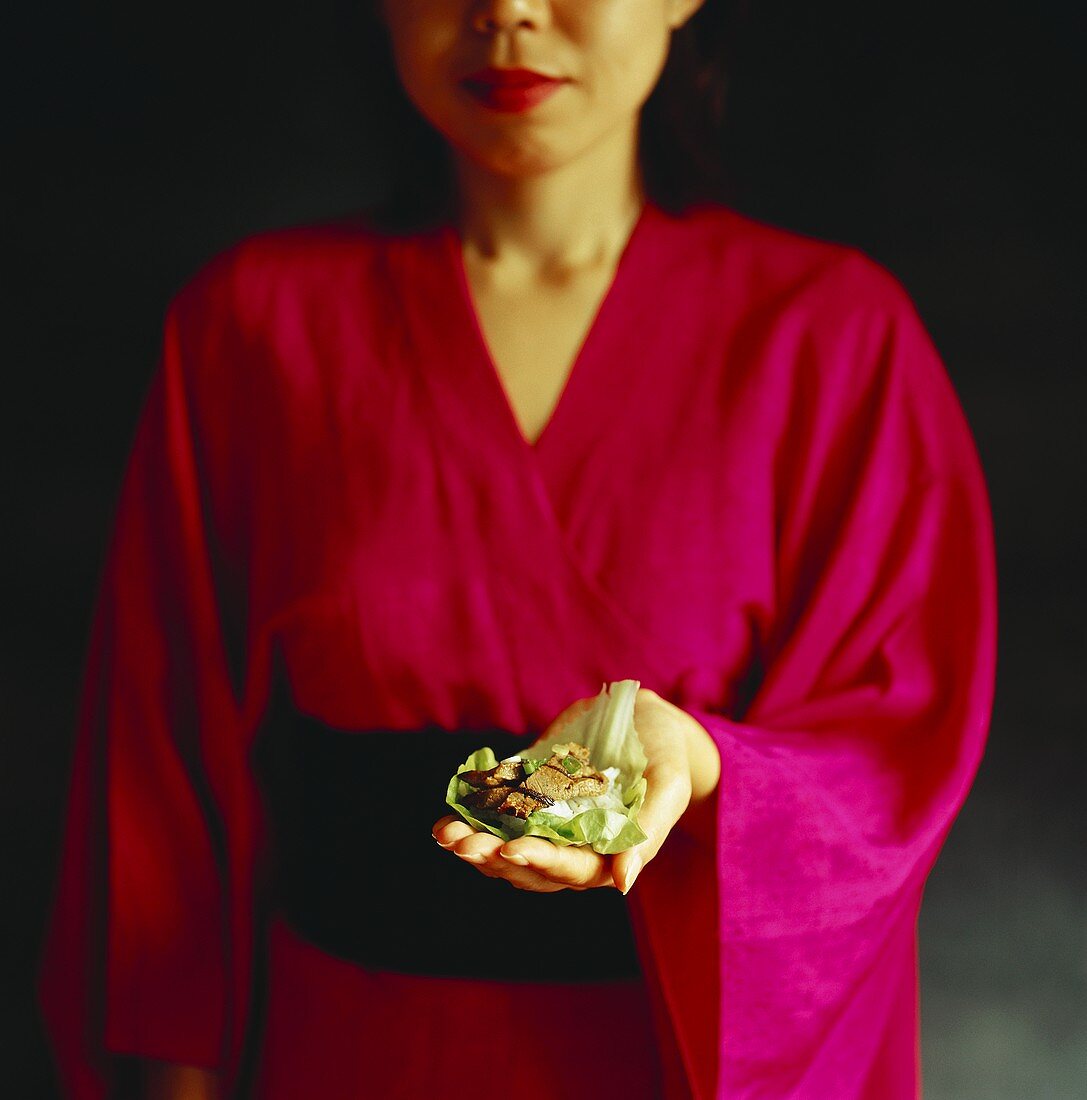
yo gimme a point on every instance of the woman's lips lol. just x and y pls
(511, 90)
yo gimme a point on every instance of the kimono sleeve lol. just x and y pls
(148, 951)
(841, 780)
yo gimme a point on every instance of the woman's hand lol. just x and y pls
(682, 771)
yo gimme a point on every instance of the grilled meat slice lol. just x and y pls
(505, 773)
(557, 784)
(567, 774)
(487, 798)
(520, 803)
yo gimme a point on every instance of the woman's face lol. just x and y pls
(609, 52)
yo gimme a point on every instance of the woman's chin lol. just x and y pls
(515, 161)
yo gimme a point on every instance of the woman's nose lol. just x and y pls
(506, 15)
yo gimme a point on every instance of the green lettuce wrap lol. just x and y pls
(607, 730)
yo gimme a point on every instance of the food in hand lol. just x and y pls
(518, 786)
(584, 790)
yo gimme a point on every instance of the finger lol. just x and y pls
(523, 878)
(668, 793)
(573, 866)
(455, 834)
(476, 847)
(449, 830)
(482, 851)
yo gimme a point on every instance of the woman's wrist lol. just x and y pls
(703, 767)
(699, 820)
(704, 759)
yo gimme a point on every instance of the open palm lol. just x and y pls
(532, 863)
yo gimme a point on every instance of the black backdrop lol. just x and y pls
(938, 137)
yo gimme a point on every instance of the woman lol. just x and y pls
(397, 494)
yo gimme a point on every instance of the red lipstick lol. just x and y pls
(511, 90)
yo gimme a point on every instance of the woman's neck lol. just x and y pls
(550, 224)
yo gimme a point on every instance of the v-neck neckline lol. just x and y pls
(520, 488)
(577, 386)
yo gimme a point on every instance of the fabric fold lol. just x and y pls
(841, 781)
(150, 949)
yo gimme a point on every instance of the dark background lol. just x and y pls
(938, 138)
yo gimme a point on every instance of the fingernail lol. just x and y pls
(440, 844)
(471, 857)
(513, 857)
(634, 867)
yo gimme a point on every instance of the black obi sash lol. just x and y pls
(358, 874)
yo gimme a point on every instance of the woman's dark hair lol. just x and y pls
(681, 138)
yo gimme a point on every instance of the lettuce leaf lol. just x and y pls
(607, 730)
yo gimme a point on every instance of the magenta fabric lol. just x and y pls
(757, 495)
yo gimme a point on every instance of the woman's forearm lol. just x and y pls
(166, 1081)
(676, 740)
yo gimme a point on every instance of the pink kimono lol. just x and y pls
(757, 495)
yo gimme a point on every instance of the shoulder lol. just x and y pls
(785, 269)
(829, 327)
(247, 281)
(829, 308)
(266, 319)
